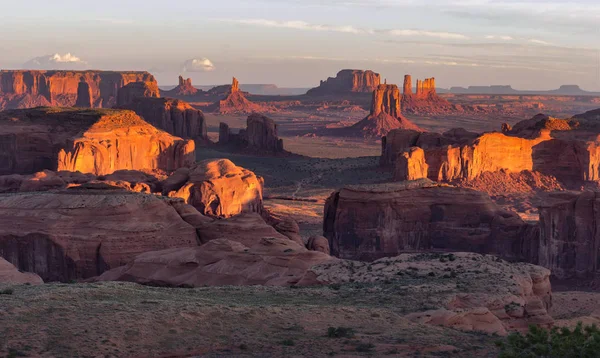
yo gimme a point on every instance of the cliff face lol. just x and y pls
(385, 114)
(135, 90)
(90, 141)
(348, 81)
(260, 136)
(174, 116)
(28, 88)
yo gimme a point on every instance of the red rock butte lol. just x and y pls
(425, 100)
(348, 81)
(33, 88)
(97, 141)
(235, 101)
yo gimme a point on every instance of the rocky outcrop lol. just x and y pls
(84, 95)
(348, 81)
(11, 276)
(411, 165)
(235, 102)
(259, 137)
(80, 233)
(569, 242)
(371, 221)
(217, 188)
(541, 145)
(89, 141)
(425, 100)
(29, 88)
(136, 90)
(184, 88)
(318, 243)
(174, 116)
(385, 114)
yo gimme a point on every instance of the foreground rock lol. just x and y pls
(269, 261)
(89, 141)
(348, 81)
(28, 88)
(385, 114)
(259, 137)
(11, 276)
(80, 233)
(473, 292)
(366, 222)
(217, 188)
(174, 116)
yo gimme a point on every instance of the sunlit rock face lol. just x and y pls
(89, 141)
(348, 81)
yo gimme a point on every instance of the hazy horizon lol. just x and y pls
(530, 45)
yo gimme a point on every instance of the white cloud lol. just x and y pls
(198, 65)
(303, 25)
(56, 62)
(540, 42)
(499, 37)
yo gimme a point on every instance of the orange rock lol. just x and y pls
(10, 275)
(411, 165)
(135, 90)
(407, 89)
(29, 88)
(220, 188)
(348, 81)
(235, 102)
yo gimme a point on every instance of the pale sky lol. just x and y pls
(535, 44)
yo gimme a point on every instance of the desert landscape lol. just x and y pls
(356, 217)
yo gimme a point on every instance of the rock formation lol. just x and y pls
(27, 88)
(235, 102)
(11, 276)
(569, 242)
(541, 144)
(385, 114)
(348, 81)
(89, 141)
(184, 88)
(259, 137)
(174, 116)
(135, 90)
(78, 233)
(318, 243)
(411, 165)
(367, 222)
(217, 188)
(425, 100)
(84, 95)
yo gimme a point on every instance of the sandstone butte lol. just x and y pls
(136, 90)
(97, 141)
(235, 101)
(369, 222)
(259, 137)
(217, 188)
(184, 88)
(348, 81)
(425, 100)
(385, 114)
(31, 88)
(566, 149)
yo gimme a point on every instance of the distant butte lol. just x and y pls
(348, 81)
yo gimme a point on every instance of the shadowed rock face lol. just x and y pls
(348, 81)
(80, 233)
(570, 234)
(84, 95)
(217, 188)
(29, 88)
(89, 141)
(136, 90)
(369, 222)
(171, 115)
(262, 133)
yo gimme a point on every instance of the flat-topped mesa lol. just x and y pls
(348, 81)
(407, 88)
(385, 114)
(135, 90)
(99, 141)
(34, 88)
(174, 116)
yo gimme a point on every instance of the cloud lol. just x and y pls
(303, 25)
(540, 42)
(198, 65)
(498, 37)
(56, 62)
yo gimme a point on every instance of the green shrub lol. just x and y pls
(340, 332)
(8, 291)
(581, 342)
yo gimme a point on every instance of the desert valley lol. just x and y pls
(259, 178)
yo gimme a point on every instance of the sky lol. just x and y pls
(534, 44)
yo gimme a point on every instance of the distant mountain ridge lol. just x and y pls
(257, 89)
(565, 90)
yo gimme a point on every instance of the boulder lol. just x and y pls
(173, 116)
(366, 222)
(219, 188)
(11, 276)
(34, 88)
(80, 233)
(98, 141)
(348, 81)
(318, 243)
